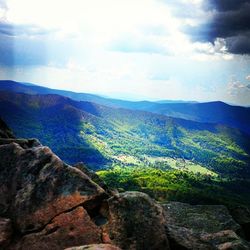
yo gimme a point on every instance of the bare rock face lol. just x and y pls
(202, 227)
(24, 143)
(95, 247)
(40, 186)
(93, 176)
(67, 229)
(225, 240)
(136, 222)
(50, 204)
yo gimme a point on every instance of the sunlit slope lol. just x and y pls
(102, 136)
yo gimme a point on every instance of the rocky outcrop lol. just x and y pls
(202, 227)
(93, 176)
(46, 204)
(24, 143)
(50, 204)
(67, 229)
(40, 186)
(136, 222)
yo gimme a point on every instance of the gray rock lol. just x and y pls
(136, 222)
(201, 227)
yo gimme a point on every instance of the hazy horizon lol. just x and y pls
(129, 98)
(190, 50)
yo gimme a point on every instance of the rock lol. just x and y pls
(242, 216)
(24, 143)
(136, 222)
(93, 176)
(65, 230)
(201, 218)
(5, 132)
(52, 205)
(201, 226)
(95, 247)
(36, 186)
(181, 238)
(5, 232)
(225, 240)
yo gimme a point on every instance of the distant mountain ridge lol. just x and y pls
(210, 112)
(101, 136)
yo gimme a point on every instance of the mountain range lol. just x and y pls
(133, 146)
(210, 112)
(103, 136)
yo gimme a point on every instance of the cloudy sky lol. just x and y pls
(134, 49)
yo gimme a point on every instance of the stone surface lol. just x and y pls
(24, 143)
(35, 186)
(95, 247)
(225, 240)
(5, 232)
(202, 227)
(93, 176)
(201, 218)
(67, 229)
(136, 222)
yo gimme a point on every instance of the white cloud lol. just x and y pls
(238, 91)
(86, 49)
(108, 23)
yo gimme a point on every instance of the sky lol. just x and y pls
(131, 49)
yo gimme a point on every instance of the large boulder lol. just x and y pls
(65, 230)
(136, 222)
(36, 186)
(202, 227)
(51, 204)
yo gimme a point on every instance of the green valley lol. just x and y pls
(169, 158)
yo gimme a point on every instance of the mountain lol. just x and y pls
(103, 136)
(47, 204)
(211, 112)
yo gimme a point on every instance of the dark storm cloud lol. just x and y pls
(231, 21)
(225, 5)
(239, 44)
